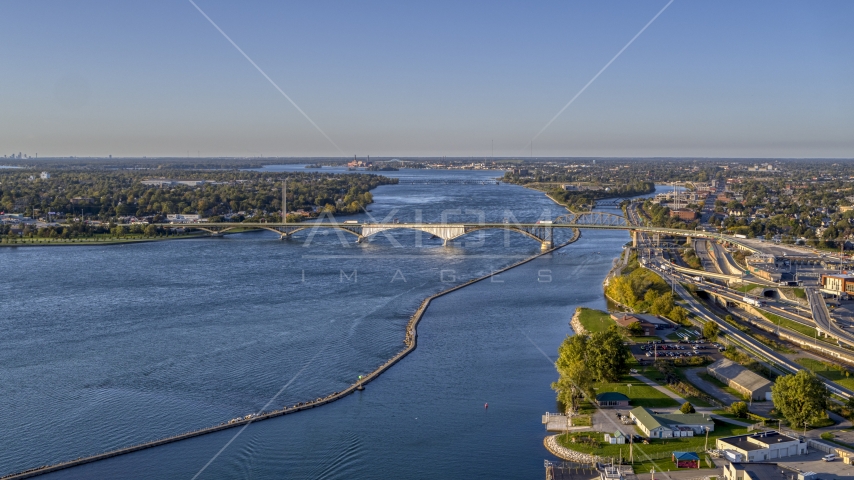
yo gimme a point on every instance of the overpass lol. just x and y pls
(540, 231)
(760, 350)
(825, 324)
(706, 274)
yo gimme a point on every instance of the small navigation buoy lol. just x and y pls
(486, 406)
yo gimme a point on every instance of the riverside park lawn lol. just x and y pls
(594, 320)
(658, 450)
(640, 394)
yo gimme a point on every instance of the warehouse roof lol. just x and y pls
(739, 375)
(670, 420)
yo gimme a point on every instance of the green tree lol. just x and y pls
(150, 231)
(678, 315)
(687, 408)
(650, 296)
(739, 409)
(635, 329)
(607, 357)
(662, 305)
(576, 379)
(620, 289)
(801, 398)
(710, 330)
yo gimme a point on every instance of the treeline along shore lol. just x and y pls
(120, 204)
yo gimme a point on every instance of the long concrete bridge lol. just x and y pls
(541, 231)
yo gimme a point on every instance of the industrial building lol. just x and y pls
(760, 447)
(748, 383)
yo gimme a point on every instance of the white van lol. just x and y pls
(829, 458)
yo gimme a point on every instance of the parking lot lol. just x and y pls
(812, 462)
(672, 350)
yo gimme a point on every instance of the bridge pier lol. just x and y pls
(546, 245)
(634, 238)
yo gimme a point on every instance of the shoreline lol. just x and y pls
(410, 340)
(575, 323)
(564, 453)
(95, 243)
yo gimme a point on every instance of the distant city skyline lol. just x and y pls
(725, 79)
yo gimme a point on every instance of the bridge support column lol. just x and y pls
(634, 238)
(546, 245)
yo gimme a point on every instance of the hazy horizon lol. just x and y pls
(723, 80)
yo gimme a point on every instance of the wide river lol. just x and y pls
(108, 346)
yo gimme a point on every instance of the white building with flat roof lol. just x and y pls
(761, 446)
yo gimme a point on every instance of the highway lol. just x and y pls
(709, 263)
(823, 319)
(767, 354)
(779, 361)
(725, 261)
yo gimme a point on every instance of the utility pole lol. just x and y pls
(631, 449)
(706, 448)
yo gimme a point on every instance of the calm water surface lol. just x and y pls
(105, 347)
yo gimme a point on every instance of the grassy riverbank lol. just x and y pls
(594, 320)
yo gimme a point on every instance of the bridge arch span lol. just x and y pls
(602, 219)
(288, 231)
(511, 228)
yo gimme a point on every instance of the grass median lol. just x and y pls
(833, 373)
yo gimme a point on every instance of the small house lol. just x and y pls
(612, 399)
(626, 320)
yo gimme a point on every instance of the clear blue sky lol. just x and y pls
(720, 78)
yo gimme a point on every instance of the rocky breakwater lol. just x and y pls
(560, 451)
(575, 323)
